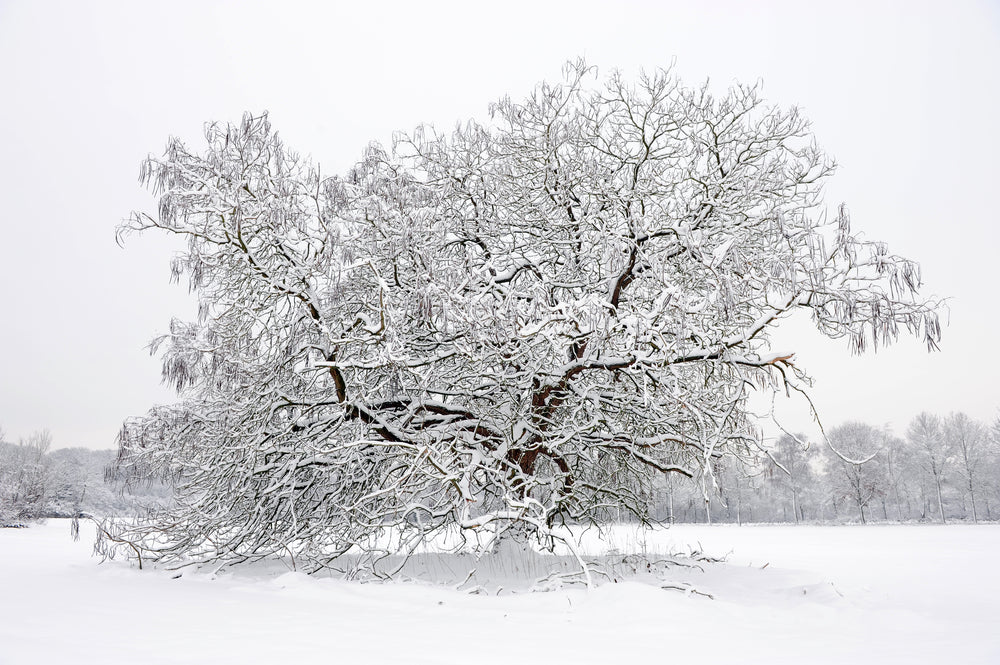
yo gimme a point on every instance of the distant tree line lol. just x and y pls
(36, 483)
(942, 469)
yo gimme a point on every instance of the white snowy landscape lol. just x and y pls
(432, 287)
(807, 594)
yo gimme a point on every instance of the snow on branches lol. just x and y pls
(524, 321)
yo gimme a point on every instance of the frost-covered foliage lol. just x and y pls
(23, 479)
(520, 322)
(69, 482)
(77, 485)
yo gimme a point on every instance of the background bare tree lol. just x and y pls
(991, 467)
(932, 453)
(856, 466)
(969, 440)
(894, 451)
(791, 457)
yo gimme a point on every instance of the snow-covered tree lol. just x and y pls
(991, 468)
(68, 482)
(969, 441)
(932, 453)
(856, 468)
(24, 479)
(794, 475)
(897, 475)
(520, 322)
(738, 478)
(77, 486)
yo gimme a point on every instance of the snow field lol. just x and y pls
(875, 594)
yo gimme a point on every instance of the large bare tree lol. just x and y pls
(518, 322)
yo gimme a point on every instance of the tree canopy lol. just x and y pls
(523, 321)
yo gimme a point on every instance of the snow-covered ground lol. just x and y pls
(874, 594)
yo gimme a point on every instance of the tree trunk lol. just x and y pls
(972, 495)
(937, 482)
(670, 503)
(859, 498)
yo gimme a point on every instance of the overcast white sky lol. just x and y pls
(903, 94)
